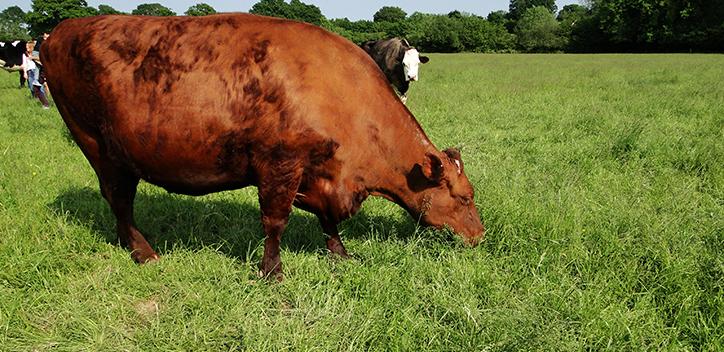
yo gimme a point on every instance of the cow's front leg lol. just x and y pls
(404, 98)
(276, 194)
(271, 263)
(334, 242)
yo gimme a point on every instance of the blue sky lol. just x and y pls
(353, 10)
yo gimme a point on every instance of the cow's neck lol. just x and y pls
(398, 154)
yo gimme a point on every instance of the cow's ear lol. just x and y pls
(454, 156)
(424, 59)
(433, 168)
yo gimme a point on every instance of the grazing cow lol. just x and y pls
(398, 60)
(136, 95)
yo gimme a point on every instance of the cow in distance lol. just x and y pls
(398, 60)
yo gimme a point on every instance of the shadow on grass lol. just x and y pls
(234, 228)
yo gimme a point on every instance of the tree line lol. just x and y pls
(527, 26)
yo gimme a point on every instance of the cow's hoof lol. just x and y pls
(336, 249)
(144, 258)
(277, 276)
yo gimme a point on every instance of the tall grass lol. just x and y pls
(599, 179)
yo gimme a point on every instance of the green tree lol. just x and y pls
(306, 13)
(579, 30)
(571, 17)
(502, 18)
(518, 7)
(295, 10)
(499, 39)
(455, 14)
(357, 31)
(626, 23)
(419, 24)
(572, 12)
(201, 9)
(273, 8)
(436, 33)
(12, 24)
(471, 31)
(108, 10)
(389, 14)
(392, 29)
(538, 31)
(695, 25)
(661, 25)
(46, 14)
(479, 35)
(498, 17)
(154, 9)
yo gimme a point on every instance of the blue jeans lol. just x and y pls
(33, 76)
(31, 80)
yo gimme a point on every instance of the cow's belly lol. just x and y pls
(183, 158)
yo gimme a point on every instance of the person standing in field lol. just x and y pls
(36, 54)
(29, 66)
(32, 74)
(40, 40)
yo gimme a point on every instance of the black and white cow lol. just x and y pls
(11, 57)
(398, 60)
(11, 54)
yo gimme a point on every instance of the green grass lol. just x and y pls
(600, 180)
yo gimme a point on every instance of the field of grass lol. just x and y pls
(600, 180)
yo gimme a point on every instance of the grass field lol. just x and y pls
(600, 180)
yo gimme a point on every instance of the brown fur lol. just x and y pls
(199, 105)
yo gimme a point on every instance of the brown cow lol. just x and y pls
(205, 104)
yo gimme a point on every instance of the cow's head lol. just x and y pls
(445, 195)
(411, 64)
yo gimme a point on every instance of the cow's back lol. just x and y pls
(187, 98)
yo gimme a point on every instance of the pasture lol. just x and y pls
(599, 179)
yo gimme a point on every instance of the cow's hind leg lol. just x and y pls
(277, 189)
